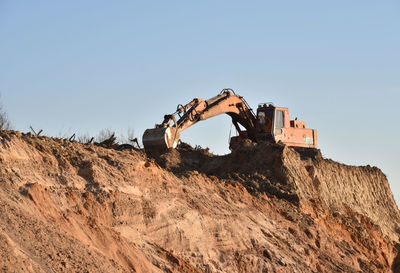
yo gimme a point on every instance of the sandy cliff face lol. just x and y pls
(67, 207)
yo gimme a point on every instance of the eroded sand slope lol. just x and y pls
(68, 207)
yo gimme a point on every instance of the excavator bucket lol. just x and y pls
(158, 140)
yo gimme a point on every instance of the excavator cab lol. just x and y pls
(274, 124)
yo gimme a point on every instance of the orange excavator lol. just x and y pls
(269, 124)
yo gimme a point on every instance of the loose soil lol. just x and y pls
(69, 207)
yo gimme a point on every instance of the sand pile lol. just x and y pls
(68, 207)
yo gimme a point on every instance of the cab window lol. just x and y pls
(279, 121)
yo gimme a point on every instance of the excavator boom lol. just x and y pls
(166, 135)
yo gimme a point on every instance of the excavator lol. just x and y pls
(270, 123)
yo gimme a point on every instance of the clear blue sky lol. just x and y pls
(81, 66)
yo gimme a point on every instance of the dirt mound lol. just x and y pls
(68, 207)
(300, 176)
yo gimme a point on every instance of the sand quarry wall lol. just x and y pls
(363, 189)
(68, 207)
(299, 176)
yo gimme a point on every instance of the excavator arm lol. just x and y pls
(166, 135)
